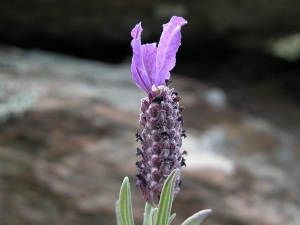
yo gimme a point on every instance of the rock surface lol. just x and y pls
(67, 141)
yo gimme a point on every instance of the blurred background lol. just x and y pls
(69, 109)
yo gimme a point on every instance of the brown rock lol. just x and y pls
(66, 151)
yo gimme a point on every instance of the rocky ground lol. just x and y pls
(67, 140)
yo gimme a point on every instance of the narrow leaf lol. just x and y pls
(153, 215)
(125, 203)
(197, 218)
(171, 218)
(166, 199)
(118, 215)
(147, 214)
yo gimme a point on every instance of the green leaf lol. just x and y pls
(118, 215)
(166, 199)
(197, 218)
(148, 209)
(125, 203)
(153, 215)
(171, 218)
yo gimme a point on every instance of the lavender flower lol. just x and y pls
(161, 136)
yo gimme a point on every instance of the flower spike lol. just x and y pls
(161, 136)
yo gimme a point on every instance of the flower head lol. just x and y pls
(161, 135)
(151, 65)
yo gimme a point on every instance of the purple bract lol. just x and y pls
(151, 65)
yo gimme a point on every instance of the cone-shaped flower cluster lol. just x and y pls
(161, 135)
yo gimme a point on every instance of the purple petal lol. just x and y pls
(137, 77)
(149, 61)
(167, 48)
(140, 74)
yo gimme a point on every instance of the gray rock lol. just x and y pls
(215, 97)
(64, 158)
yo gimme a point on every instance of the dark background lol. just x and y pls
(231, 43)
